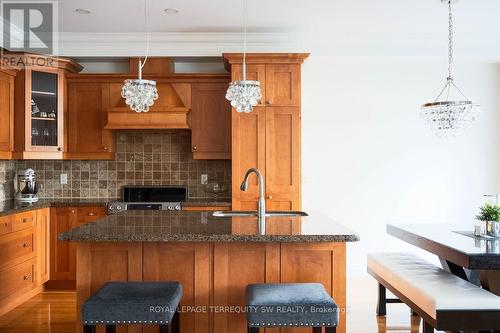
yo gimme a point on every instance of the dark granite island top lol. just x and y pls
(189, 226)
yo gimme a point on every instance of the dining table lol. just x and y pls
(470, 257)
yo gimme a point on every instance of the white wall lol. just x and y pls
(369, 160)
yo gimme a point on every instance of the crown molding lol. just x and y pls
(173, 44)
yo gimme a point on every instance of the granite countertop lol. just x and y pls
(191, 226)
(8, 207)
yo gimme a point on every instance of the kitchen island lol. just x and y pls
(215, 258)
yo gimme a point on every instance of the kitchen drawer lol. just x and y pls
(16, 245)
(17, 279)
(23, 221)
(5, 225)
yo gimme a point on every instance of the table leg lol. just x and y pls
(468, 275)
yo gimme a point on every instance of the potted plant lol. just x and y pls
(490, 214)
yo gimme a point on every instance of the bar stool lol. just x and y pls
(125, 303)
(291, 305)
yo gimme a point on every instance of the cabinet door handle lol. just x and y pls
(26, 219)
(91, 214)
(26, 277)
(261, 102)
(59, 149)
(269, 103)
(194, 147)
(26, 245)
(269, 197)
(73, 211)
(105, 148)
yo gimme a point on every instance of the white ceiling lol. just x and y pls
(333, 27)
(340, 16)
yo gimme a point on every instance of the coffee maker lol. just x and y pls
(26, 186)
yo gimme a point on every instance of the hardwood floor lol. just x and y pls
(54, 312)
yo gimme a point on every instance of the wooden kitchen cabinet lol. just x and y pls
(42, 245)
(282, 85)
(18, 267)
(210, 121)
(6, 113)
(87, 138)
(63, 253)
(269, 138)
(40, 96)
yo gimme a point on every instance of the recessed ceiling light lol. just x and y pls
(82, 11)
(171, 11)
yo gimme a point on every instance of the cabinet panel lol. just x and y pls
(308, 263)
(283, 160)
(6, 115)
(210, 121)
(99, 263)
(62, 254)
(43, 245)
(249, 135)
(283, 85)
(255, 72)
(87, 138)
(160, 263)
(237, 265)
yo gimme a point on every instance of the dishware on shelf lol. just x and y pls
(34, 108)
(43, 114)
(215, 188)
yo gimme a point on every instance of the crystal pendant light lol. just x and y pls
(140, 94)
(244, 94)
(447, 116)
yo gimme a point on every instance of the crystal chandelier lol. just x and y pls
(140, 94)
(244, 94)
(446, 116)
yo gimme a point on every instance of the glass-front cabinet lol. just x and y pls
(42, 117)
(44, 110)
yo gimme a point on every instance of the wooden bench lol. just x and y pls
(443, 300)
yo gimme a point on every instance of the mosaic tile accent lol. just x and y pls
(142, 158)
(7, 171)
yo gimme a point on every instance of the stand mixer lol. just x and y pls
(26, 186)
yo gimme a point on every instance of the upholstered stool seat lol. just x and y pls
(124, 303)
(294, 304)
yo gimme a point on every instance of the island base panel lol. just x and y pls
(214, 275)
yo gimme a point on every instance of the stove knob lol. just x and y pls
(111, 208)
(178, 207)
(170, 207)
(118, 207)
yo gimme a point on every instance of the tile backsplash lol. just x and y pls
(142, 158)
(7, 170)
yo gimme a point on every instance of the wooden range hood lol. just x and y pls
(170, 110)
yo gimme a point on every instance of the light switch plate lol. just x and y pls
(204, 179)
(64, 179)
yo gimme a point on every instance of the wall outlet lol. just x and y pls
(64, 179)
(204, 179)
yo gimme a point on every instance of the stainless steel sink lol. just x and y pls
(254, 213)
